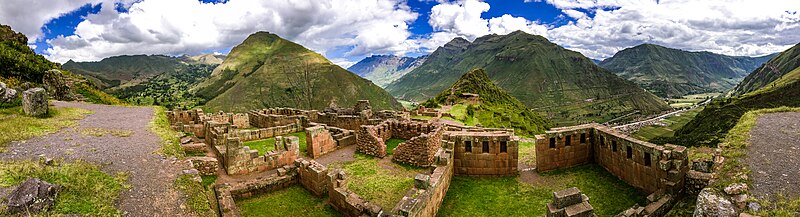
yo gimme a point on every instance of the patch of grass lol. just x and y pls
(291, 201)
(98, 132)
(382, 184)
(96, 96)
(86, 189)
(195, 192)
(170, 141)
(393, 143)
(208, 181)
(507, 196)
(527, 152)
(782, 207)
(15, 126)
(265, 145)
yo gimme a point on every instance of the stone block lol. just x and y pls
(583, 209)
(34, 102)
(567, 197)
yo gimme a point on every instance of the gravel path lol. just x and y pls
(151, 176)
(774, 155)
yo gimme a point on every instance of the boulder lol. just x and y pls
(7, 94)
(712, 203)
(736, 188)
(57, 85)
(32, 196)
(34, 102)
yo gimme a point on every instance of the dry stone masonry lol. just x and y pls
(34, 102)
(570, 203)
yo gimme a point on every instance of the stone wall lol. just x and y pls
(347, 202)
(228, 193)
(240, 160)
(275, 117)
(422, 140)
(322, 139)
(564, 148)
(205, 165)
(265, 133)
(313, 176)
(425, 198)
(484, 153)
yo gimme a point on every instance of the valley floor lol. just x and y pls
(118, 139)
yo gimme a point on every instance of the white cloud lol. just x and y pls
(342, 62)
(28, 16)
(732, 27)
(190, 27)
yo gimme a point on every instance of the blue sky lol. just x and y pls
(346, 31)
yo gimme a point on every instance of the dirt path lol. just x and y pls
(151, 176)
(774, 155)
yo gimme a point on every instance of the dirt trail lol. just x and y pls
(151, 176)
(774, 155)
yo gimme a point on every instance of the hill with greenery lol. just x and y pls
(773, 70)
(712, 124)
(672, 73)
(384, 69)
(563, 84)
(496, 108)
(121, 71)
(268, 71)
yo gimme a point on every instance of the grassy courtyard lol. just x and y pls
(265, 145)
(510, 196)
(379, 180)
(391, 144)
(291, 201)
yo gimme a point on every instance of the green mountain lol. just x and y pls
(773, 70)
(564, 84)
(268, 71)
(122, 71)
(673, 73)
(384, 69)
(495, 107)
(712, 124)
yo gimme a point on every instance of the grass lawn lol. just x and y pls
(195, 192)
(265, 145)
(86, 191)
(291, 201)
(507, 196)
(379, 180)
(170, 141)
(391, 144)
(673, 124)
(15, 126)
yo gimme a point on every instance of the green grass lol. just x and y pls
(673, 124)
(406, 104)
(291, 201)
(527, 152)
(15, 126)
(391, 144)
(208, 180)
(507, 196)
(381, 182)
(170, 143)
(265, 145)
(195, 192)
(86, 189)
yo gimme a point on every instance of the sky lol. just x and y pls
(346, 31)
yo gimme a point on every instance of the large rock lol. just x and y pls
(57, 85)
(7, 94)
(34, 102)
(32, 196)
(711, 203)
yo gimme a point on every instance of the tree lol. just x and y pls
(304, 78)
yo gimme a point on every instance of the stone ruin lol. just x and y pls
(34, 102)
(422, 141)
(570, 203)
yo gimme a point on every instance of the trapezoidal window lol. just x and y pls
(503, 146)
(614, 145)
(647, 159)
(629, 152)
(468, 146)
(567, 141)
(552, 142)
(583, 138)
(485, 146)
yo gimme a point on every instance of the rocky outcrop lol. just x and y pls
(34, 102)
(32, 196)
(6, 93)
(712, 203)
(58, 85)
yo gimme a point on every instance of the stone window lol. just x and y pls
(583, 138)
(552, 142)
(485, 146)
(614, 145)
(568, 140)
(647, 159)
(602, 142)
(503, 146)
(468, 146)
(629, 152)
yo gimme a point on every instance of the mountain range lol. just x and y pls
(268, 71)
(548, 78)
(385, 69)
(671, 73)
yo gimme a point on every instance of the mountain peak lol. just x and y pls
(457, 42)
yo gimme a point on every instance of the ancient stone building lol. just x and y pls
(485, 153)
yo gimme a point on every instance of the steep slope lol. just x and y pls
(124, 70)
(209, 59)
(671, 72)
(384, 69)
(495, 107)
(771, 71)
(567, 86)
(268, 71)
(712, 124)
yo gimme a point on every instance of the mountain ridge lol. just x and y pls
(384, 69)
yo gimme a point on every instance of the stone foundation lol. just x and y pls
(425, 198)
(207, 166)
